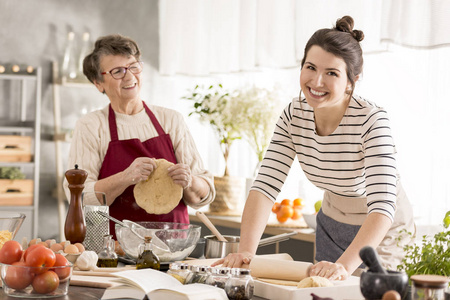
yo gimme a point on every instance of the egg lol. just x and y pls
(57, 247)
(80, 247)
(72, 249)
(391, 295)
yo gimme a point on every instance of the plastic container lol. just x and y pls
(240, 285)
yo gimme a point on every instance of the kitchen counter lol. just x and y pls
(300, 246)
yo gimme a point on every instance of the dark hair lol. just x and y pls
(115, 44)
(343, 42)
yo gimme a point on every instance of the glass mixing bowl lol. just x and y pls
(171, 241)
(10, 223)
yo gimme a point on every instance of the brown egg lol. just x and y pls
(56, 247)
(391, 295)
(50, 242)
(34, 241)
(71, 249)
(80, 247)
(43, 244)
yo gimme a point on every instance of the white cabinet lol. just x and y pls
(20, 116)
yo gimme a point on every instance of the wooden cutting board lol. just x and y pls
(93, 281)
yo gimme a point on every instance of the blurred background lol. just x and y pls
(239, 44)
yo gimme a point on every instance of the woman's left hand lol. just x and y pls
(332, 271)
(181, 174)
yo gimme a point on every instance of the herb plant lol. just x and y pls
(11, 173)
(431, 256)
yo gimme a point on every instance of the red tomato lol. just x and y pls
(30, 249)
(10, 252)
(61, 262)
(46, 282)
(40, 257)
(18, 276)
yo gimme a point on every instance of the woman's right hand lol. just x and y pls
(234, 260)
(139, 170)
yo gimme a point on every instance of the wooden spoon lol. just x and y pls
(210, 225)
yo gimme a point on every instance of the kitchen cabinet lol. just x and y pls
(20, 128)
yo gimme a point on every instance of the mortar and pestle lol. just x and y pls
(376, 281)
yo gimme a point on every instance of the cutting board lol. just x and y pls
(342, 290)
(93, 281)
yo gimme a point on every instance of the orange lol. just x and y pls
(298, 202)
(286, 202)
(276, 207)
(297, 213)
(285, 211)
(281, 220)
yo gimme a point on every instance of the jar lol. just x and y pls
(218, 277)
(198, 274)
(179, 270)
(429, 287)
(107, 257)
(240, 285)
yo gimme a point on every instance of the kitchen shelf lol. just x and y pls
(25, 125)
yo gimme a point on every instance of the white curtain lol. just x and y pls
(416, 23)
(260, 42)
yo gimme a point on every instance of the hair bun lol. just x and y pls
(345, 24)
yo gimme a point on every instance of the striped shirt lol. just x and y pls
(357, 160)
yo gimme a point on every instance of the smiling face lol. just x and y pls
(119, 91)
(323, 79)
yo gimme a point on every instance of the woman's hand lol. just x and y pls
(234, 260)
(181, 174)
(139, 170)
(332, 271)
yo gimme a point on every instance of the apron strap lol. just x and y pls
(112, 124)
(154, 120)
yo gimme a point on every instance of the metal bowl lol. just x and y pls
(171, 241)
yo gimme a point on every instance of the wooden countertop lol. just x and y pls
(303, 234)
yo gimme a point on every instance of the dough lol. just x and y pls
(314, 281)
(158, 194)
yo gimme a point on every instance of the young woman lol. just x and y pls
(345, 147)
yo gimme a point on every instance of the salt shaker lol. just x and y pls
(240, 285)
(218, 277)
(429, 287)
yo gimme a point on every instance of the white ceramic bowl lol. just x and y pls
(310, 220)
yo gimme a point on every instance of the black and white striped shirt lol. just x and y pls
(356, 160)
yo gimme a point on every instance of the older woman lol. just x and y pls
(118, 144)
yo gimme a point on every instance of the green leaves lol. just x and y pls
(431, 256)
(11, 173)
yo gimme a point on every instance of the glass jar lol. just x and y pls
(179, 270)
(240, 285)
(218, 277)
(198, 274)
(429, 287)
(146, 258)
(107, 257)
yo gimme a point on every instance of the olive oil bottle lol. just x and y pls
(107, 258)
(146, 258)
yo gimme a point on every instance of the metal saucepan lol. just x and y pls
(219, 249)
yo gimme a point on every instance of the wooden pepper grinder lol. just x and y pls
(75, 226)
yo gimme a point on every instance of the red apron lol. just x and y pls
(119, 156)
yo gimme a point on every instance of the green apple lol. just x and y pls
(318, 205)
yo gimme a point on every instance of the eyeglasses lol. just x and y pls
(120, 72)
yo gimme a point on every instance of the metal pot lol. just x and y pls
(219, 249)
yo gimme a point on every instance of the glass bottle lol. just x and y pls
(107, 258)
(428, 287)
(69, 67)
(240, 285)
(198, 274)
(218, 277)
(179, 270)
(85, 47)
(75, 225)
(146, 258)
